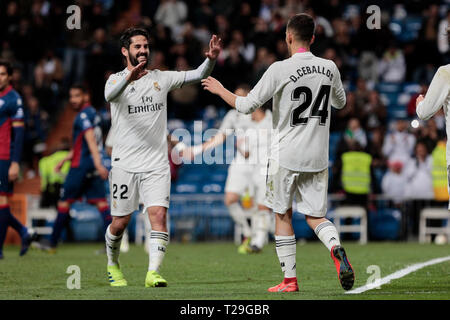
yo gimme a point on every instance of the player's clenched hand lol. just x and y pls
(214, 47)
(419, 99)
(103, 172)
(212, 85)
(13, 172)
(137, 72)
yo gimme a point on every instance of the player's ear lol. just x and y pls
(312, 40)
(288, 37)
(124, 52)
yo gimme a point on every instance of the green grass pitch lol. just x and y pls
(202, 271)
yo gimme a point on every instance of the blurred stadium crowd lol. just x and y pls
(383, 69)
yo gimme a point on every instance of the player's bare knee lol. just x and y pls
(157, 215)
(313, 222)
(231, 198)
(118, 225)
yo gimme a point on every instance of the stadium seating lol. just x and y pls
(407, 29)
(354, 212)
(301, 228)
(86, 223)
(433, 214)
(385, 224)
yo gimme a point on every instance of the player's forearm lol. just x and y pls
(92, 145)
(211, 143)
(228, 96)
(114, 90)
(202, 72)
(68, 157)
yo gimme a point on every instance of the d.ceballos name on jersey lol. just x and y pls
(147, 106)
(305, 70)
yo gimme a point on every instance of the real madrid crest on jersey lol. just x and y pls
(156, 85)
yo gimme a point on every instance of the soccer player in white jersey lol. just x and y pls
(241, 172)
(302, 87)
(140, 165)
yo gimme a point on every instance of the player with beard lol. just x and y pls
(140, 164)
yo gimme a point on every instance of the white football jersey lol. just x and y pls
(237, 123)
(303, 88)
(437, 97)
(139, 119)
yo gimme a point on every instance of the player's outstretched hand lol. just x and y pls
(214, 47)
(137, 72)
(103, 172)
(212, 85)
(419, 99)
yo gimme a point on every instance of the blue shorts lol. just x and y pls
(83, 181)
(6, 187)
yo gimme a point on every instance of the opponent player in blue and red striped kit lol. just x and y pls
(11, 142)
(87, 173)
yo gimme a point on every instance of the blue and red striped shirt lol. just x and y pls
(85, 120)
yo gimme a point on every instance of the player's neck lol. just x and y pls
(299, 48)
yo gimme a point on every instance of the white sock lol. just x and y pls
(112, 247)
(260, 228)
(286, 250)
(327, 233)
(158, 243)
(238, 215)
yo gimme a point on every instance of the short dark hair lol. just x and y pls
(302, 25)
(79, 86)
(125, 38)
(8, 66)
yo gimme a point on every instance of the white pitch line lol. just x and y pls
(398, 274)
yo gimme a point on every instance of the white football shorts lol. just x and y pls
(259, 184)
(128, 188)
(239, 178)
(309, 188)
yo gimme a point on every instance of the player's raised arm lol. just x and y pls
(260, 94)
(205, 69)
(115, 85)
(436, 95)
